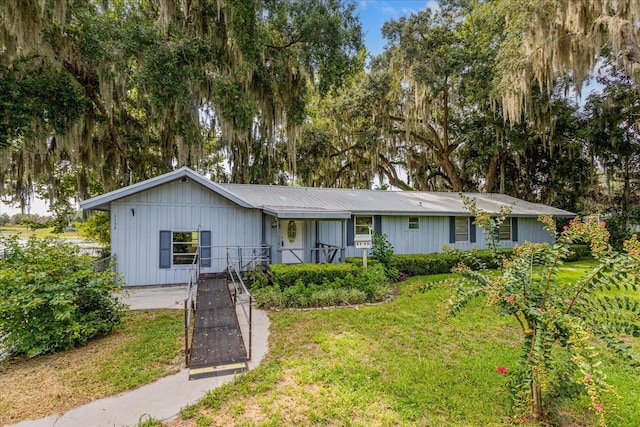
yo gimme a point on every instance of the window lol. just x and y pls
(292, 231)
(364, 224)
(414, 222)
(505, 229)
(462, 229)
(184, 247)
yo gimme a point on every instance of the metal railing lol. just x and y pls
(190, 302)
(243, 302)
(103, 264)
(245, 258)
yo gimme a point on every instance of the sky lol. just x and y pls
(373, 14)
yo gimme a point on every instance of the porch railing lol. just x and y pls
(326, 253)
(322, 253)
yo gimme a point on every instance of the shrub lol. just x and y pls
(443, 262)
(51, 299)
(355, 287)
(286, 275)
(382, 251)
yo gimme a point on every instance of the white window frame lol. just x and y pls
(506, 227)
(415, 223)
(184, 255)
(365, 221)
(463, 236)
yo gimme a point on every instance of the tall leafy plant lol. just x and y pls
(563, 323)
(382, 251)
(51, 298)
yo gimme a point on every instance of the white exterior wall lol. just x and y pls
(176, 206)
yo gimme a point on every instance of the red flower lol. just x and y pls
(565, 227)
(501, 370)
(511, 299)
(588, 377)
(632, 252)
(602, 223)
(541, 309)
(599, 407)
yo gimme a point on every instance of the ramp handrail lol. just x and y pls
(190, 301)
(241, 295)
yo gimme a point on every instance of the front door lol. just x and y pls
(292, 242)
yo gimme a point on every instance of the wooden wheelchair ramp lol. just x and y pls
(217, 347)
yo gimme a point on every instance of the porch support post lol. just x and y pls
(279, 245)
(343, 224)
(316, 241)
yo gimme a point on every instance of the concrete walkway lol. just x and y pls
(164, 398)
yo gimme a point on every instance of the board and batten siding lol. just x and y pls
(136, 222)
(433, 234)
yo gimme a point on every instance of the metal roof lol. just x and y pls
(333, 203)
(277, 198)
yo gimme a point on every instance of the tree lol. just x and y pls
(408, 111)
(142, 86)
(548, 38)
(613, 137)
(562, 322)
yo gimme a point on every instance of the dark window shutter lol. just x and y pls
(165, 249)
(205, 249)
(472, 229)
(452, 229)
(377, 224)
(350, 232)
(514, 229)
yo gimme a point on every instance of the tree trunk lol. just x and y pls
(492, 173)
(536, 400)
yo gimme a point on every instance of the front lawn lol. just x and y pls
(399, 363)
(147, 347)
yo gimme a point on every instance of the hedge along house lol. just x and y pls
(158, 225)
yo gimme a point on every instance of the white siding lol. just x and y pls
(136, 222)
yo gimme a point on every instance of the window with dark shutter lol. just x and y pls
(205, 249)
(165, 249)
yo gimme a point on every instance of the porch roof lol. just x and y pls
(304, 213)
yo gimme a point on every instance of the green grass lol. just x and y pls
(148, 346)
(399, 363)
(24, 232)
(151, 350)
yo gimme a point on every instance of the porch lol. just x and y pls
(306, 236)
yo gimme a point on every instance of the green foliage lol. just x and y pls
(356, 286)
(97, 227)
(287, 275)
(562, 321)
(382, 251)
(443, 262)
(51, 299)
